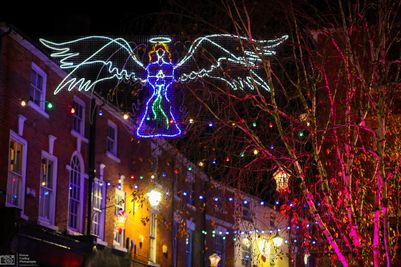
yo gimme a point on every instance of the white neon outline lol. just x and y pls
(249, 60)
(160, 39)
(64, 51)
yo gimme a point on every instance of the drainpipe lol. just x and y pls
(174, 233)
(91, 161)
(2, 34)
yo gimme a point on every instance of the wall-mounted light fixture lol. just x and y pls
(141, 238)
(214, 260)
(165, 250)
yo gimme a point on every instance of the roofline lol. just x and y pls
(113, 110)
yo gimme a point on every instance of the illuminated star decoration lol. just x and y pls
(115, 59)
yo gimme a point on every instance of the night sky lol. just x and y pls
(75, 20)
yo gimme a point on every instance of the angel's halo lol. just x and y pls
(160, 39)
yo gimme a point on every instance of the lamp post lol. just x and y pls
(214, 260)
(154, 198)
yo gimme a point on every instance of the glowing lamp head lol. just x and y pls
(277, 241)
(264, 247)
(154, 198)
(214, 260)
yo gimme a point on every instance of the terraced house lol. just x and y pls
(148, 204)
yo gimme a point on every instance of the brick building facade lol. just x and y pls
(44, 182)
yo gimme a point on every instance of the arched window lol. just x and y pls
(75, 196)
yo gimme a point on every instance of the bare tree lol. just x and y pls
(331, 120)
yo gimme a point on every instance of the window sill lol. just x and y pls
(72, 232)
(111, 156)
(151, 263)
(101, 242)
(118, 247)
(47, 225)
(25, 217)
(22, 214)
(79, 136)
(38, 109)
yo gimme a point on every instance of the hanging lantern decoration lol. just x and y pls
(281, 178)
(120, 219)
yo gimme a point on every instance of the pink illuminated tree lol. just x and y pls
(331, 120)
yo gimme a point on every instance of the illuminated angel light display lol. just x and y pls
(116, 58)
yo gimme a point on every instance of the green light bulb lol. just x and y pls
(50, 105)
(301, 134)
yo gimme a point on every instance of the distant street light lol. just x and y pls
(277, 241)
(214, 260)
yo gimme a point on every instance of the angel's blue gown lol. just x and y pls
(158, 119)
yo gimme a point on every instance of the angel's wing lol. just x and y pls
(212, 52)
(104, 57)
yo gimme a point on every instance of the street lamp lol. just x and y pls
(277, 241)
(154, 198)
(264, 247)
(214, 260)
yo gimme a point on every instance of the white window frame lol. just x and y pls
(81, 103)
(119, 244)
(49, 222)
(155, 151)
(190, 180)
(189, 243)
(21, 194)
(101, 211)
(78, 230)
(175, 237)
(246, 251)
(153, 237)
(247, 210)
(114, 153)
(222, 254)
(42, 104)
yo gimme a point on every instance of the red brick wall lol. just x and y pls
(135, 160)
